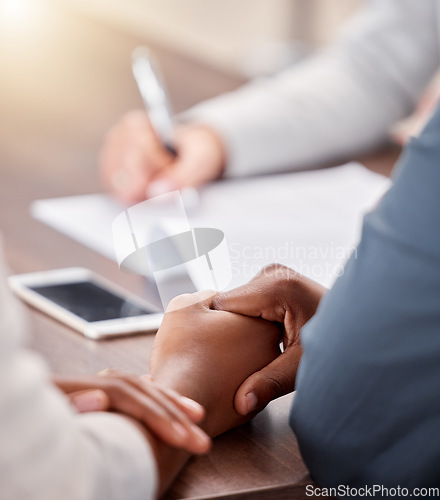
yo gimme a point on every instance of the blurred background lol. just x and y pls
(65, 79)
(228, 33)
(65, 74)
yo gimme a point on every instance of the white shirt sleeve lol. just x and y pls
(336, 104)
(48, 452)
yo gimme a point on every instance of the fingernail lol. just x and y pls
(88, 401)
(191, 404)
(161, 186)
(180, 431)
(251, 402)
(201, 437)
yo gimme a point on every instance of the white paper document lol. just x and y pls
(309, 221)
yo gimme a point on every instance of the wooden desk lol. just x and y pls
(50, 134)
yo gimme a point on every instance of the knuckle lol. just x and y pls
(179, 302)
(203, 295)
(218, 302)
(279, 278)
(279, 271)
(270, 269)
(278, 383)
(190, 299)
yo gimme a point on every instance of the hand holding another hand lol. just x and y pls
(165, 413)
(206, 355)
(281, 295)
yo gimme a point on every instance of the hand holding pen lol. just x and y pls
(145, 154)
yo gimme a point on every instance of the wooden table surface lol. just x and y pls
(52, 121)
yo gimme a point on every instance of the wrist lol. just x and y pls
(182, 378)
(168, 460)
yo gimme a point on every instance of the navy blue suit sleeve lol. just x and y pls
(367, 405)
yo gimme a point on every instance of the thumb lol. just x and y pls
(161, 184)
(274, 380)
(181, 174)
(190, 169)
(92, 400)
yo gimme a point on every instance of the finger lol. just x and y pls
(259, 297)
(198, 162)
(276, 294)
(107, 371)
(139, 162)
(174, 426)
(174, 176)
(149, 406)
(202, 298)
(237, 301)
(112, 161)
(131, 155)
(191, 408)
(185, 172)
(251, 300)
(127, 394)
(180, 408)
(87, 401)
(160, 184)
(273, 381)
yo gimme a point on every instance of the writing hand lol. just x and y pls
(134, 164)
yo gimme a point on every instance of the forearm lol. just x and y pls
(102, 452)
(169, 460)
(367, 384)
(335, 105)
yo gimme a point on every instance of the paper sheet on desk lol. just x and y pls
(309, 221)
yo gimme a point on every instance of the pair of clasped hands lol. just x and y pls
(216, 359)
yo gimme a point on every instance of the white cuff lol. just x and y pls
(129, 467)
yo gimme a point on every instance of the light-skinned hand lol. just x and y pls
(135, 166)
